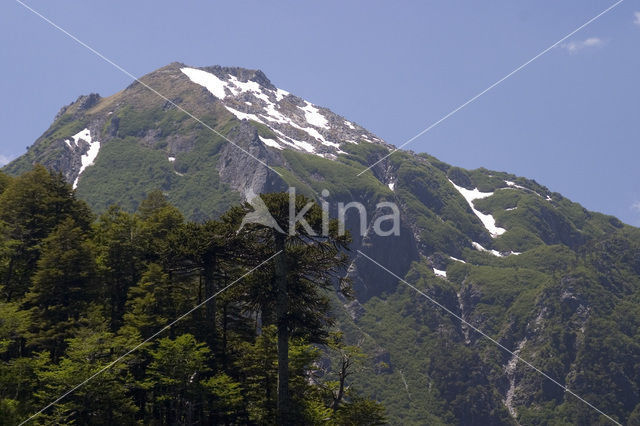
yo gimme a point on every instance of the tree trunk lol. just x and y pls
(224, 335)
(282, 308)
(344, 367)
(209, 291)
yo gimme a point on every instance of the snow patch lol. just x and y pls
(267, 111)
(349, 124)
(479, 247)
(513, 185)
(171, 159)
(457, 260)
(313, 116)
(236, 87)
(366, 138)
(511, 209)
(314, 134)
(440, 273)
(487, 220)
(208, 80)
(304, 145)
(392, 185)
(496, 253)
(89, 157)
(243, 115)
(84, 135)
(281, 94)
(270, 142)
(274, 115)
(295, 143)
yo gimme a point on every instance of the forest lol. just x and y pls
(147, 318)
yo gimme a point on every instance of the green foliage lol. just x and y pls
(192, 181)
(263, 130)
(137, 122)
(94, 291)
(14, 324)
(258, 370)
(360, 412)
(5, 180)
(102, 400)
(149, 303)
(62, 286)
(119, 258)
(174, 376)
(100, 187)
(78, 293)
(31, 207)
(560, 299)
(339, 178)
(9, 411)
(198, 189)
(228, 398)
(517, 240)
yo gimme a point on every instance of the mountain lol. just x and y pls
(542, 276)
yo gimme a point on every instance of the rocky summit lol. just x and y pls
(554, 283)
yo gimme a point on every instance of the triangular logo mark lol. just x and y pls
(260, 214)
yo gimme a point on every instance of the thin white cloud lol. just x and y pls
(636, 206)
(636, 18)
(577, 46)
(4, 160)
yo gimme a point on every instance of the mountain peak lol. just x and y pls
(242, 74)
(295, 123)
(222, 97)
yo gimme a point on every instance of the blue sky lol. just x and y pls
(568, 120)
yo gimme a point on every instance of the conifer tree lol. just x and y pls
(31, 207)
(118, 256)
(93, 293)
(174, 378)
(159, 220)
(62, 287)
(104, 400)
(307, 265)
(150, 304)
(5, 180)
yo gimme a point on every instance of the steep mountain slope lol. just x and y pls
(535, 271)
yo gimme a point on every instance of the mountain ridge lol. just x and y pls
(506, 253)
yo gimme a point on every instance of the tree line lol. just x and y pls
(79, 291)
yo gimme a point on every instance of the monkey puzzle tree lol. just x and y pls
(211, 250)
(307, 261)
